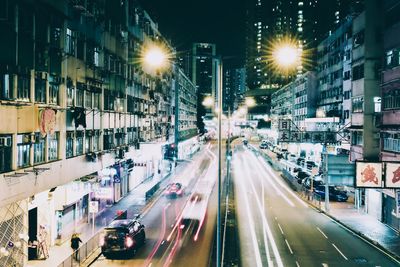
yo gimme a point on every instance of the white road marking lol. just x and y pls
(252, 226)
(297, 264)
(324, 265)
(280, 228)
(273, 175)
(322, 233)
(265, 222)
(290, 249)
(341, 253)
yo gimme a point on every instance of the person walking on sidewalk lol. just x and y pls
(75, 245)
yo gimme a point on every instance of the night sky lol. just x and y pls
(216, 21)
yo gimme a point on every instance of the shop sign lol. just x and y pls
(369, 174)
(104, 192)
(93, 207)
(392, 177)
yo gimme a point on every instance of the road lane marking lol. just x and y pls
(280, 182)
(252, 226)
(265, 222)
(322, 233)
(290, 249)
(258, 166)
(297, 264)
(280, 228)
(341, 253)
(324, 265)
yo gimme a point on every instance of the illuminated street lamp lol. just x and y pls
(250, 102)
(155, 57)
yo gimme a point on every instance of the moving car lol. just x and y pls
(245, 142)
(174, 190)
(122, 236)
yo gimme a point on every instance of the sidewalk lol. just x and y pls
(133, 203)
(357, 221)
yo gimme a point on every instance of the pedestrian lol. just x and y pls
(75, 245)
(170, 167)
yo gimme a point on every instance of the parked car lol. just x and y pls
(174, 190)
(334, 193)
(310, 164)
(122, 236)
(300, 161)
(263, 146)
(316, 181)
(292, 157)
(301, 175)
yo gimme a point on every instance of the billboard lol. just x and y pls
(369, 174)
(392, 176)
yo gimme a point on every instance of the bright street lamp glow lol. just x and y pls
(155, 57)
(286, 56)
(208, 101)
(250, 102)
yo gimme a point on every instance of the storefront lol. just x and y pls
(71, 205)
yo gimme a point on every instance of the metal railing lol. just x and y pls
(83, 252)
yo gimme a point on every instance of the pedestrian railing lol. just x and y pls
(83, 252)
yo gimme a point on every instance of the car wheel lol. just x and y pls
(106, 255)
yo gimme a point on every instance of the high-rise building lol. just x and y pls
(301, 20)
(204, 76)
(234, 88)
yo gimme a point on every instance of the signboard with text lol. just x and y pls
(392, 177)
(369, 174)
(306, 137)
(93, 207)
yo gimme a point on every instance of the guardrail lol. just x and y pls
(83, 252)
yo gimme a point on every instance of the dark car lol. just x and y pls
(301, 175)
(334, 193)
(307, 182)
(122, 236)
(245, 142)
(300, 161)
(310, 164)
(263, 146)
(174, 190)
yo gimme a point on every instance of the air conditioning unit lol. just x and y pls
(5, 141)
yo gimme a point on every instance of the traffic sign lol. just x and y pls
(93, 207)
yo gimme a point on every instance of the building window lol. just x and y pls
(389, 58)
(39, 149)
(53, 93)
(346, 75)
(88, 99)
(24, 150)
(79, 143)
(53, 146)
(391, 100)
(40, 88)
(96, 56)
(88, 141)
(108, 140)
(108, 100)
(5, 153)
(69, 146)
(120, 137)
(70, 42)
(23, 87)
(96, 140)
(79, 95)
(358, 72)
(391, 142)
(357, 104)
(96, 100)
(357, 138)
(358, 39)
(70, 93)
(6, 87)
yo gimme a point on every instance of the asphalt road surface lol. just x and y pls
(277, 228)
(167, 244)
